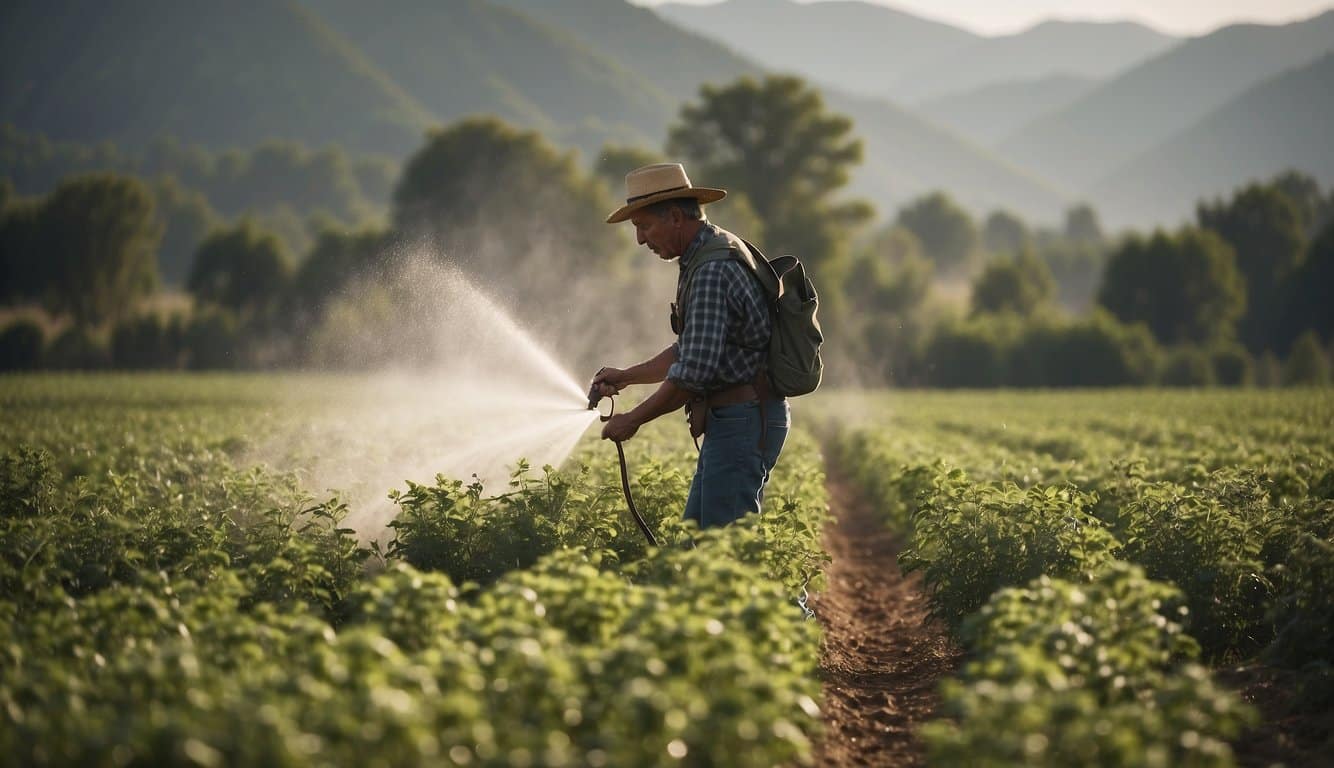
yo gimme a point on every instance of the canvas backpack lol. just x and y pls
(793, 364)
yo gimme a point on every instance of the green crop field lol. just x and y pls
(177, 586)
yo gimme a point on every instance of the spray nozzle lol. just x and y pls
(594, 397)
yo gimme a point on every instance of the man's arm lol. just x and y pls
(610, 381)
(666, 399)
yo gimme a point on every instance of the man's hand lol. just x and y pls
(620, 427)
(609, 381)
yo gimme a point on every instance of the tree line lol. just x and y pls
(934, 298)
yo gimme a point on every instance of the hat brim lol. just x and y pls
(702, 194)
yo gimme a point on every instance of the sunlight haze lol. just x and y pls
(1180, 17)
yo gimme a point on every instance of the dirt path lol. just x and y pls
(882, 659)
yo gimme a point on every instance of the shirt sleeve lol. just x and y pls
(700, 345)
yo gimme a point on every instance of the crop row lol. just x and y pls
(1084, 571)
(173, 607)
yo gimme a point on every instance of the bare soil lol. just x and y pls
(882, 655)
(1290, 734)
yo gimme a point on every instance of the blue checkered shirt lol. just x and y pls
(726, 324)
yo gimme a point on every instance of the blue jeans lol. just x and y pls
(732, 470)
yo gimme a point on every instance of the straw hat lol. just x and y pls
(655, 183)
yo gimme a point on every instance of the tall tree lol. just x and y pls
(244, 269)
(773, 141)
(1304, 191)
(99, 235)
(1264, 227)
(500, 201)
(616, 160)
(186, 219)
(1003, 232)
(1018, 285)
(946, 231)
(1082, 225)
(1185, 287)
(1306, 303)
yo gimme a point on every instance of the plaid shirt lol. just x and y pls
(726, 323)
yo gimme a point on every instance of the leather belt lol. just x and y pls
(741, 393)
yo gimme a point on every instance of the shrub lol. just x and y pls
(1187, 367)
(21, 346)
(77, 349)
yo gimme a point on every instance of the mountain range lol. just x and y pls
(1030, 122)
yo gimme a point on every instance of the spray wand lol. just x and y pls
(594, 396)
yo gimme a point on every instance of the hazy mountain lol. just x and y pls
(1151, 102)
(467, 56)
(1091, 50)
(676, 61)
(906, 155)
(989, 113)
(1284, 122)
(856, 46)
(220, 74)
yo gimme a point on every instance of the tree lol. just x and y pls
(1003, 232)
(337, 259)
(1307, 364)
(773, 141)
(1082, 225)
(1304, 191)
(244, 269)
(1306, 304)
(500, 202)
(1185, 287)
(1016, 285)
(616, 160)
(1264, 227)
(22, 273)
(946, 231)
(186, 219)
(99, 235)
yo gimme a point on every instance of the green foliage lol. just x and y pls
(1306, 304)
(970, 541)
(1018, 285)
(1266, 231)
(148, 341)
(190, 609)
(1187, 367)
(243, 269)
(1005, 233)
(21, 346)
(1307, 364)
(1097, 351)
(1082, 226)
(1084, 673)
(774, 141)
(968, 354)
(76, 349)
(946, 231)
(1232, 365)
(614, 161)
(213, 342)
(338, 259)
(186, 218)
(1185, 287)
(499, 201)
(98, 236)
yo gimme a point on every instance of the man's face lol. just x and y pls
(659, 233)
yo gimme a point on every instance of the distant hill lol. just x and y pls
(1284, 122)
(906, 155)
(467, 56)
(989, 113)
(1092, 50)
(221, 74)
(1148, 104)
(855, 46)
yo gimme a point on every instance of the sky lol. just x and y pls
(1180, 17)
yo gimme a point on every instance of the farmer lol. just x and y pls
(715, 368)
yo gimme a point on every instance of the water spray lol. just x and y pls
(594, 397)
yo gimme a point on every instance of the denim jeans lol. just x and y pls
(732, 470)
